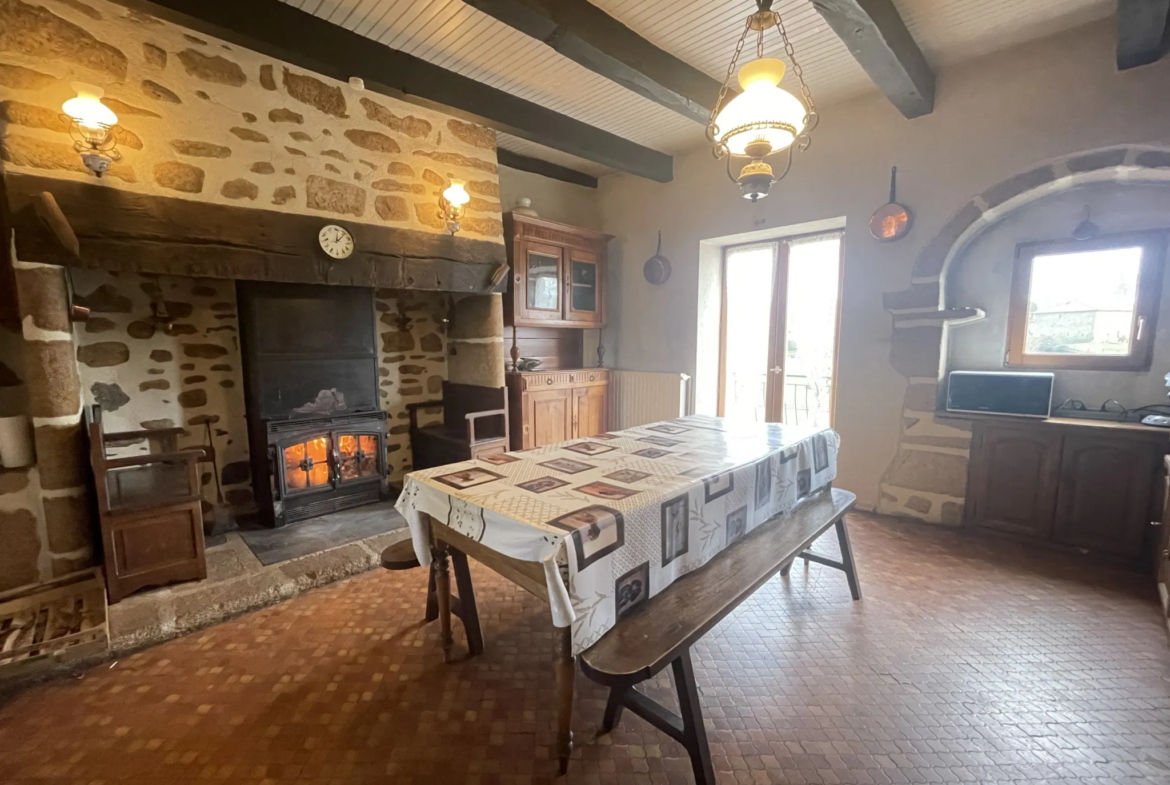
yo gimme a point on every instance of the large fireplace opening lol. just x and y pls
(316, 434)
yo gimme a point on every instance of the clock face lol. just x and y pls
(336, 241)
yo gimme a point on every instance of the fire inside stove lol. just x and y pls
(313, 464)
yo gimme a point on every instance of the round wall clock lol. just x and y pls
(336, 241)
(890, 221)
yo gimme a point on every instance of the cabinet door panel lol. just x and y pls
(589, 411)
(547, 420)
(539, 281)
(1105, 486)
(583, 287)
(1014, 480)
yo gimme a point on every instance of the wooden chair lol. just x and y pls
(401, 556)
(149, 508)
(475, 424)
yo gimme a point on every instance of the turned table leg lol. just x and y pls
(566, 672)
(442, 575)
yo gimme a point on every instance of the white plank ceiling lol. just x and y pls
(456, 36)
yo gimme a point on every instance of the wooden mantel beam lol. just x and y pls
(1142, 32)
(878, 39)
(281, 31)
(123, 231)
(587, 35)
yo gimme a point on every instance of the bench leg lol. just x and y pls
(694, 734)
(787, 568)
(443, 595)
(468, 611)
(566, 671)
(847, 559)
(613, 710)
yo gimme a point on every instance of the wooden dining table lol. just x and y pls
(595, 527)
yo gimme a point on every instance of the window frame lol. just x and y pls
(1146, 303)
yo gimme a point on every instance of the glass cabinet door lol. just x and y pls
(357, 456)
(542, 281)
(306, 464)
(584, 287)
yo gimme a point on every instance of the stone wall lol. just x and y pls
(412, 364)
(149, 370)
(204, 120)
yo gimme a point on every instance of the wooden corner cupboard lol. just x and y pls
(1091, 485)
(557, 275)
(556, 406)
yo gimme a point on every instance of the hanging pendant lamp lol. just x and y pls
(764, 120)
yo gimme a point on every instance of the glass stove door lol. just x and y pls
(357, 456)
(306, 465)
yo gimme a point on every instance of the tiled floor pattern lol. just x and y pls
(967, 661)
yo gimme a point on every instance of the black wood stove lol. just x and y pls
(316, 433)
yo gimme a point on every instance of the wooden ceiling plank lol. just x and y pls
(1141, 32)
(878, 39)
(588, 36)
(287, 33)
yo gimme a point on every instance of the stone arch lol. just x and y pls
(927, 477)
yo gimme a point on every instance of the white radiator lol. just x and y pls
(640, 397)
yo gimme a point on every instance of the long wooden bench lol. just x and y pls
(663, 629)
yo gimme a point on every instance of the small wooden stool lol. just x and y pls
(401, 556)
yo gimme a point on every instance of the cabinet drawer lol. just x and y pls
(556, 379)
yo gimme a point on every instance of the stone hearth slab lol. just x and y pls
(272, 546)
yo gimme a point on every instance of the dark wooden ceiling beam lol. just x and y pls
(287, 33)
(526, 163)
(877, 37)
(1141, 32)
(587, 35)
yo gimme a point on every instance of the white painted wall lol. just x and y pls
(994, 117)
(982, 277)
(555, 200)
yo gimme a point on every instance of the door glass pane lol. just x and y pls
(584, 286)
(294, 475)
(749, 306)
(316, 451)
(542, 282)
(347, 448)
(368, 460)
(1083, 303)
(811, 341)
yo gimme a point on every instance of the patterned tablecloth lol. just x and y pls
(622, 515)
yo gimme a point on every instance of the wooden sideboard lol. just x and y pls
(1085, 484)
(555, 406)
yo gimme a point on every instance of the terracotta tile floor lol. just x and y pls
(967, 661)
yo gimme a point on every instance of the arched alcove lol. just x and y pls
(927, 477)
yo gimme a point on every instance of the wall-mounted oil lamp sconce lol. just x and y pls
(91, 124)
(451, 204)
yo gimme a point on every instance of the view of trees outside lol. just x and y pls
(812, 294)
(1083, 303)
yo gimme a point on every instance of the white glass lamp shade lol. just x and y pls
(456, 195)
(762, 112)
(87, 109)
